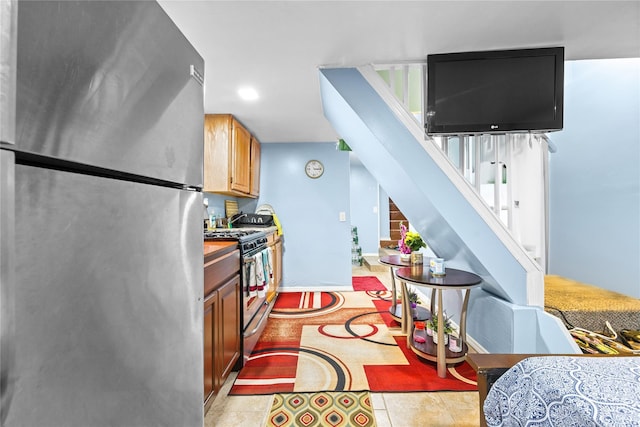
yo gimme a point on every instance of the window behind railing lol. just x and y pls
(406, 81)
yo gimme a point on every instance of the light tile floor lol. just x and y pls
(436, 409)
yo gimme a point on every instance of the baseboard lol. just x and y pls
(475, 345)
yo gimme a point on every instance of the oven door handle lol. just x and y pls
(257, 328)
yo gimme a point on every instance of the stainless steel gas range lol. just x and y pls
(256, 279)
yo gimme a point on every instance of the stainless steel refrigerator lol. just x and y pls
(101, 257)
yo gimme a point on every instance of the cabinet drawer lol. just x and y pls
(218, 271)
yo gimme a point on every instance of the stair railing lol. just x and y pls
(490, 163)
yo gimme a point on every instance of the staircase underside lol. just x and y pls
(438, 203)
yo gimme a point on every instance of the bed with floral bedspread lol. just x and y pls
(567, 391)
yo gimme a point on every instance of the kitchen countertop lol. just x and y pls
(221, 247)
(217, 248)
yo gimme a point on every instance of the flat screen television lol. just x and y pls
(496, 91)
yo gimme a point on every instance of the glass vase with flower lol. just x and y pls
(409, 245)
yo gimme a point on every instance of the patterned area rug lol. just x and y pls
(324, 409)
(340, 341)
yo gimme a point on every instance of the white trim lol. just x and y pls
(475, 345)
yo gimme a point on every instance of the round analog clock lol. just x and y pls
(314, 169)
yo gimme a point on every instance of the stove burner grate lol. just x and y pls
(250, 240)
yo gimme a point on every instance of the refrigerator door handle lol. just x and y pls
(7, 281)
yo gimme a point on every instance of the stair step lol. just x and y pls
(387, 251)
(371, 262)
(388, 244)
(397, 216)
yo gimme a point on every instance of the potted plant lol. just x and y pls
(448, 328)
(414, 300)
(410, 242)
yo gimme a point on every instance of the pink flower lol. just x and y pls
(402, 247)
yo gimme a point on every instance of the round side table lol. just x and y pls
(454, 279)
(396, 310)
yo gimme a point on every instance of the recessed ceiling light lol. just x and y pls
(248, 93)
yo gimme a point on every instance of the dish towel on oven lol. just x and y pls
(260, 273)
(252, 288)
(259, 276)
(268, 266)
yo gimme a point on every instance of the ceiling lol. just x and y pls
(278, 46)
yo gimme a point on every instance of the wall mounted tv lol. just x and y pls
(495, 91)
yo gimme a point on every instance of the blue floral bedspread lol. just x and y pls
(567, 391)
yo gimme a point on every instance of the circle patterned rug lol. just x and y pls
(340, 341)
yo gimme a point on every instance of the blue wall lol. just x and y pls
(317, 245)
(364, 199)
(595, 177)
(594, 190)
(216, 204)
(451, 226)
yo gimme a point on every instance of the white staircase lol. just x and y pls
(509, 172)
(434, 183)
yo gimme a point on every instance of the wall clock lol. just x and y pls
(314, 169)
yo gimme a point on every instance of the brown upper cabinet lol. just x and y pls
(255, 167)
(231, 157)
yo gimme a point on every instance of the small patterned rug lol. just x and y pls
(323, 409)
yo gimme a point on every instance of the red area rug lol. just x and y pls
(367, 283)
(340, 341)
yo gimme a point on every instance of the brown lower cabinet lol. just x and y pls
(221, 322)
(274, 241)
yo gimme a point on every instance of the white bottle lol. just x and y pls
(212, 220)
(206, 214)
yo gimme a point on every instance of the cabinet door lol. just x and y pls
(217, 147)
(255, 167)
(229, 326)
(210, 346)
(240, 159)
